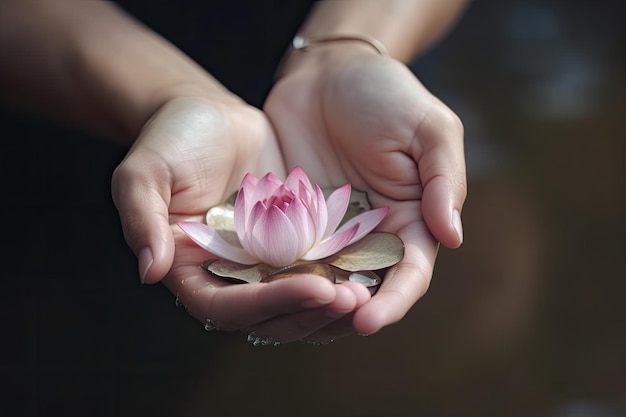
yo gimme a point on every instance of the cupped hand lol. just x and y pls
(190, 156)
(346, 114)
(285, 310)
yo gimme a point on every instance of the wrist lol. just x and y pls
(302, 43)
(209, 90)
(406, 27)
(121, 72)
(127, 94)
(318, 54)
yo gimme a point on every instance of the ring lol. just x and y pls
(209, 326)
(255, 340)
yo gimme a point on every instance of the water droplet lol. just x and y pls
(178, 302)
(209, 326)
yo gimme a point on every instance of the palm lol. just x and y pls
(369, 123)
(206, 159)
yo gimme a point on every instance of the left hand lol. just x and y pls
(190, 156)
(345, 115)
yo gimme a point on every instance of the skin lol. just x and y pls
(341, 111)
(369, 121)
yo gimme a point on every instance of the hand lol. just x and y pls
(347, 115)
(190, 156)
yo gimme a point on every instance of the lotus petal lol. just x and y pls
(253, 218)
(331, 245)
(265, 187)
(211, 241)
(296, 177)
(321, 214)
(278, 223)
(368, 220)
(240, 215)
(336, 206)
(303, 224)
(274, 238)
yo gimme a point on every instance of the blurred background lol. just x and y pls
(527, 318)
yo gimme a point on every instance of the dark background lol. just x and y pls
(526, 319)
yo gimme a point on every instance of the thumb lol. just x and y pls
(442, 170)
(142, 198)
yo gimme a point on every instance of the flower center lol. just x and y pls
(282, 201)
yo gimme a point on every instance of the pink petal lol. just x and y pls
(248, 184)
(331, 245)
(304, 194)
(211, 241)
(303, 224)
(321, 215)
(368, 221)
(249, 181)
(274, 239)
(240, 213)
(336, 205)
(279, 197)
(263, 189)
(253, 218)
(297, 176)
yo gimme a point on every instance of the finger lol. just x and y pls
(343, 326)
(298, 326)
(403, 284)
(441, 165)
(141, 197)
(236, 307)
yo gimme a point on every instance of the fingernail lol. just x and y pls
(145, 259)
(457, 224)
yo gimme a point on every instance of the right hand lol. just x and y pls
(348, 115)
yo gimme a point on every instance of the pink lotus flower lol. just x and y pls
(280, 223)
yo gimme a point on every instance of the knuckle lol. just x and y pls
(444, 116)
